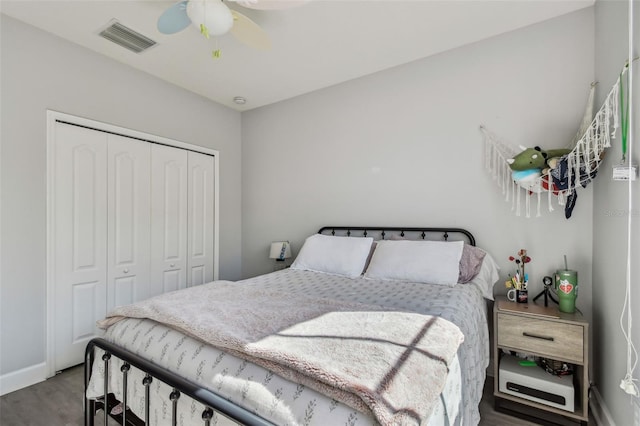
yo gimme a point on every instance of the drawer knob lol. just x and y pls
(536, 336)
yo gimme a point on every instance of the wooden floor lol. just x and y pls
(58, 402)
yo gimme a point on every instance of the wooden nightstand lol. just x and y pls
(543, 332)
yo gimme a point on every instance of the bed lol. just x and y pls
(305, 345)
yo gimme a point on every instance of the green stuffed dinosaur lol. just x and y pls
(534, 158)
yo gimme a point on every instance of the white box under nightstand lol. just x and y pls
(535, 384)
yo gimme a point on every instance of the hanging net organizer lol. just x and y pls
(572, 171)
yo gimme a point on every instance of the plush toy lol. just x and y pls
(551, 164)
(533, 163)
(525, 176)
(529, 158)
(534, 158)
(544, 182)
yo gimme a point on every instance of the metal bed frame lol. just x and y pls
(382, 231)
(180, 385)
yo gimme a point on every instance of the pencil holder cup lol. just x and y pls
(520, 296)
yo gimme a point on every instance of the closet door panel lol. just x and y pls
(129, 205)
(201, 219)
(126, 290)
(168, 219)
(80, 238)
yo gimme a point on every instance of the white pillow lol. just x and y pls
(433, 262)
(487, 277)
(334, 255)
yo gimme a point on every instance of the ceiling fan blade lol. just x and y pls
(270, 4)
(174, 19)
(249, 33)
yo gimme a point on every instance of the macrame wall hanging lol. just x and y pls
(554, 174)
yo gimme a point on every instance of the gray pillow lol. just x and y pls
(470, 263)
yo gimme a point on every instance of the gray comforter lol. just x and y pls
(463, 305)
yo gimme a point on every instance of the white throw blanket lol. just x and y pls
(392, 364)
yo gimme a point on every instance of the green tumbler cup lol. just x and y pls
(567, 288)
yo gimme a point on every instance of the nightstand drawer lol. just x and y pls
(551, 339)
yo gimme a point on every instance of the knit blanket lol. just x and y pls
(388, 363)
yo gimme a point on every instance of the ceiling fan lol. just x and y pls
(215, 18)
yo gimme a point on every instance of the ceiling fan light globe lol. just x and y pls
(214, 14)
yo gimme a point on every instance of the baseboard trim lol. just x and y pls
(599, 410)
(28, 376)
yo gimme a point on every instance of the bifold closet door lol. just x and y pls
(168, 219)
(129, 221)
(80, 240)
(201, 218)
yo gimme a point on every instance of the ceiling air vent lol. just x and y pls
(126, 37)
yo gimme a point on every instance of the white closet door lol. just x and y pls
(168, 219)
(201, 220)
(129, 206)
(80, 227)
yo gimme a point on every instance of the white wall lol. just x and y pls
(610, 215)
(402, 147)
(39, 72)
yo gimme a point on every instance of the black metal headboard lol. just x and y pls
(384, 231)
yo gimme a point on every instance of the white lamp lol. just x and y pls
(280, 250)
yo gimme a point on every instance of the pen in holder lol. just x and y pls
(518, 292)
(518, 283)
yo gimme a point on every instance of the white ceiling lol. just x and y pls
(316, 45)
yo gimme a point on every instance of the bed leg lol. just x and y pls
(147, 382)
(125, 370)
(207, 415)
(89, 412)
(106, 358)
(89, 404)
(174, 396)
